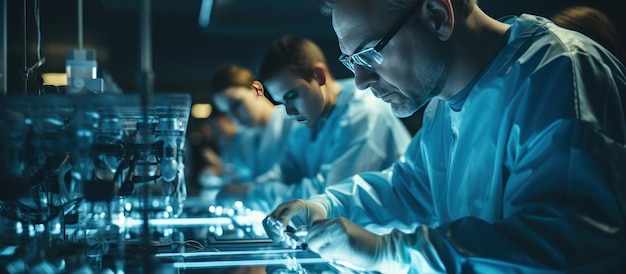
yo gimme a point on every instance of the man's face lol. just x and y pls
(302, 99)
(414, 66)
(239, 103)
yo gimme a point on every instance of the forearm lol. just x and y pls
(368, 200)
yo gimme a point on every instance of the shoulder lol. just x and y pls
(364, 107)
(546, 73)
(536, 41)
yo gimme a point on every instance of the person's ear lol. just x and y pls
(256, 85)
(319, 73)
(440, 17)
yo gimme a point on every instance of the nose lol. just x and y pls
(364, 78)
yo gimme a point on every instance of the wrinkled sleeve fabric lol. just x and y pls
(566, 221)
(378, 200)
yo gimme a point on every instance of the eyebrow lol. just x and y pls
(362, 45)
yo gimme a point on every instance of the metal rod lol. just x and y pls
(3, 65)
(253, 262)
(145, 49)
(226, 253)
(25, 72)
(145, 84)
(80, 24)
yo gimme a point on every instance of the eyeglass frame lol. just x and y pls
(355, 59)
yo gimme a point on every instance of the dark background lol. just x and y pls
(185, 55)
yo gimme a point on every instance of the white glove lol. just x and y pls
(343, 242)
(299, 212)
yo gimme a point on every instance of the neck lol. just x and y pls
(330, 92)
(267, 111)
(475, 43)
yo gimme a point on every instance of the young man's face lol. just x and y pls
(240, 104)
(303, 100)
(414, 65)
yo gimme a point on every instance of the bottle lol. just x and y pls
(81, 68)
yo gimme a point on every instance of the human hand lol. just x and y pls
(299, 212)
(342, 242)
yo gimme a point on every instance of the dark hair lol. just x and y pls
(296, 54)
(592, 23)
(462, 8)
(231, 76)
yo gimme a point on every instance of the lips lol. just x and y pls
(378, 95)
(387, 98)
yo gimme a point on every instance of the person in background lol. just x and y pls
(252, 131)
(343, 131)
(230, 158)
(518, 166)
(592, 23)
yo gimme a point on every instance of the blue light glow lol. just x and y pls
(189, 265)
(204, 17)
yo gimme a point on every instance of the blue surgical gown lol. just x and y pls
(528, 177)
(254, 151)
(360, 134)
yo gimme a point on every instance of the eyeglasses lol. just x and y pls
(368, 56)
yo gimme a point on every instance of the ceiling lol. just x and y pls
(184, 53)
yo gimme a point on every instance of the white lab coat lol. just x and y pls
(361, 134)
(524, 178)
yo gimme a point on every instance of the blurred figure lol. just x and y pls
(342, 130)
(237, 93)
(592, 23)
(250, 130)
(230, 150)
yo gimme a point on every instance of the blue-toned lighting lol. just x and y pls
(205, 13)
(190, 265)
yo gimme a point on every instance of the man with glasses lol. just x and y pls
(519, 165)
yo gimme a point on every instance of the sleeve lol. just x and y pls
(396, 197)
(559, 216)
(367, 141)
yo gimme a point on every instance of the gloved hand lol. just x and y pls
(342, 242)
(299, 212)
